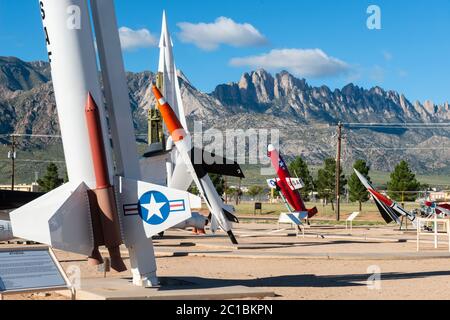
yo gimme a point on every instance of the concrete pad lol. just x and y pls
(171, 289)
(243, 246)
(253, 255)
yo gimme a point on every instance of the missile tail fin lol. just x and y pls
(60, 218)
(230, 217)
(232, 237)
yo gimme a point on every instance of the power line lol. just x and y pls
(35, 161)
(401, 148)
(20, 135)
(401, 125)
(397, 123)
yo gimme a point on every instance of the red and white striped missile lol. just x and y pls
(291, 195)
(385, 200)
(202, 180)
(105, 220)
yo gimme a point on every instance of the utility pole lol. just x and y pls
(338, 171)
(238, 192)
(12, 156)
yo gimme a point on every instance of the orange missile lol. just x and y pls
(214, 202)
(170, 118)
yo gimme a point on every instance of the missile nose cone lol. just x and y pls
(270, 148)
(90, 103)
(156, 92)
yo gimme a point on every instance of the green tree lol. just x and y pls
(357, 191)
(403, 180)
(51, 179)
(193, 189)
(219, 183)
(299, 168)
(326, 181)
(229, 194)
(255, 191)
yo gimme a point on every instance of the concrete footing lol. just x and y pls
(170, 289)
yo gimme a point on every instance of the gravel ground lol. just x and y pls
(298, 277)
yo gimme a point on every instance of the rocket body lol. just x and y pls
(74, 73)
(286, 184)
(389, 210)
(101, 204)
(84, 133)
(292, 196)
(203, 182)
(105, 219)
(140, 247)
(171, 87)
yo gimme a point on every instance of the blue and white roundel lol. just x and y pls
(154, 207)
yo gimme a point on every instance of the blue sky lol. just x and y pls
(410, 53)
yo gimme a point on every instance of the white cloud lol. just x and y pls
(301, 62)
(208, 36)
(134, 39)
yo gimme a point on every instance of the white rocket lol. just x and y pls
(182, 140)
(181, 169)
(168, 68)
(66, 217)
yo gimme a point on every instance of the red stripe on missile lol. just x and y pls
(380, 197)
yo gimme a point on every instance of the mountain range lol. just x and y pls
(305, 116)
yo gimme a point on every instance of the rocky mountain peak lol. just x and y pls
(258, 99)
(16, 74)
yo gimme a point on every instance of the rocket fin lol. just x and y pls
(273, 183)
(157, 208)
(153, 168)
(181, 176)
(182, 179)
(387, 213)
(195, 201)
(219, 165)
(214, 223)
(229, 214)
(60, 219)
(295, 183)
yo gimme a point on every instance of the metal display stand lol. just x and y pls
(436, 234)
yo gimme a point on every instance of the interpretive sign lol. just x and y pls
(30, 270)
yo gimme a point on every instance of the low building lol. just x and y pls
(34, 187)
(439, 196)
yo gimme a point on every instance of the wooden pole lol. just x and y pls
(338, 171)
(13, 158)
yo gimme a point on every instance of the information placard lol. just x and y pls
(30, 269)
